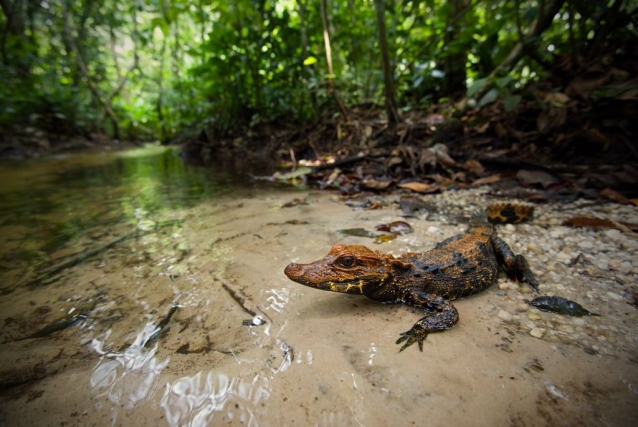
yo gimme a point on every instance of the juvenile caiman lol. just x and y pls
(460, 266)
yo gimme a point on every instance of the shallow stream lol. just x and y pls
(133, 289)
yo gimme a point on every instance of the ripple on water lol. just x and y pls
(131, 376)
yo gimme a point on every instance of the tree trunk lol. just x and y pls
(388, 70)
(85, 72)
(542, 22)
(326, 41)
(454, 64)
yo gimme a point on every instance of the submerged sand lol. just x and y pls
(321, 358)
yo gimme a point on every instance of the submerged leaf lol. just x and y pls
(357, 232)
(560, 305)
(395, 227)
(385, 238)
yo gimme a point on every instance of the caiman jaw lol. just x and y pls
(302, 273)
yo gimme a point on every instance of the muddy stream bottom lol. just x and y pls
(157, 327)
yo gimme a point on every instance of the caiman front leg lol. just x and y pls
(515, 266)
(442, 316)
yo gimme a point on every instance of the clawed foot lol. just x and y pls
(416, 334)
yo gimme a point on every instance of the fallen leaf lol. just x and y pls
(385, 238)
(295, 202)
(587, 221)
(411, 204)
(613, 195)
(487, 180)
(473, 166)
(419, 187)
(376, 185)
(395, 227)
(374, 205)
(357, 232)
(299, 172)
(528, 177)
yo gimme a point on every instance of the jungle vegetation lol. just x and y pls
(154, 69)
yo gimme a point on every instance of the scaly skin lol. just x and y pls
(460, 266)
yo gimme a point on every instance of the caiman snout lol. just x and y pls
(292, 271)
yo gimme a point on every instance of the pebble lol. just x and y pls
(566, 328)
(537, 332)
(503, 286)
(578, 322)
(613, 234)
(533, 316)
(615, 296)
(433, 230)
(615, 263)
(509, 227)
(602, 263)
(505, 315)
(585, 244)
(625, 267)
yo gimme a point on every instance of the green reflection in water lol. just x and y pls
(55, 206)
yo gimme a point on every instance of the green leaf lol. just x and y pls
(511, 101)
(310, 60)
(488, 98)
(502, 82)
(474, 87)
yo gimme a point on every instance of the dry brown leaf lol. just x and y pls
(528, 177)
(613, 195)
(420, 187)
(587, 221)
(376, 185)
(473, 166)
(487, 180)
(394, 161)
(483, 128)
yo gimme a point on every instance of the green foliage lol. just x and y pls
(152, 68)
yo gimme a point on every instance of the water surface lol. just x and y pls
(130, 284)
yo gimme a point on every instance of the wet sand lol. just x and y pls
(321, 358)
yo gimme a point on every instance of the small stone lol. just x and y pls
(601, 338)
(613, 234)
(503, 286)
(510, 227)
(614, 263)
(578, 322)
(625, 267)
(602, 263)
(533, 316)
(525, 289)
(615, 296)
(433, 230)
(585, 244)
(505, 315)
(537, 332)
(566, 328)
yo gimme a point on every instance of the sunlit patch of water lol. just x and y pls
(131, 376)
(196, 400)
(278, 298)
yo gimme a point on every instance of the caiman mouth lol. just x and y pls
(302, 274)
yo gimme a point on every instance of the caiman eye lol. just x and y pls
(346, 261)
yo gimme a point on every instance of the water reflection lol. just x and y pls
(131, 376)
(50, 208)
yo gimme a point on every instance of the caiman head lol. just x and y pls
(351, 269)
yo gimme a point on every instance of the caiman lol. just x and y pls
(460, 266)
